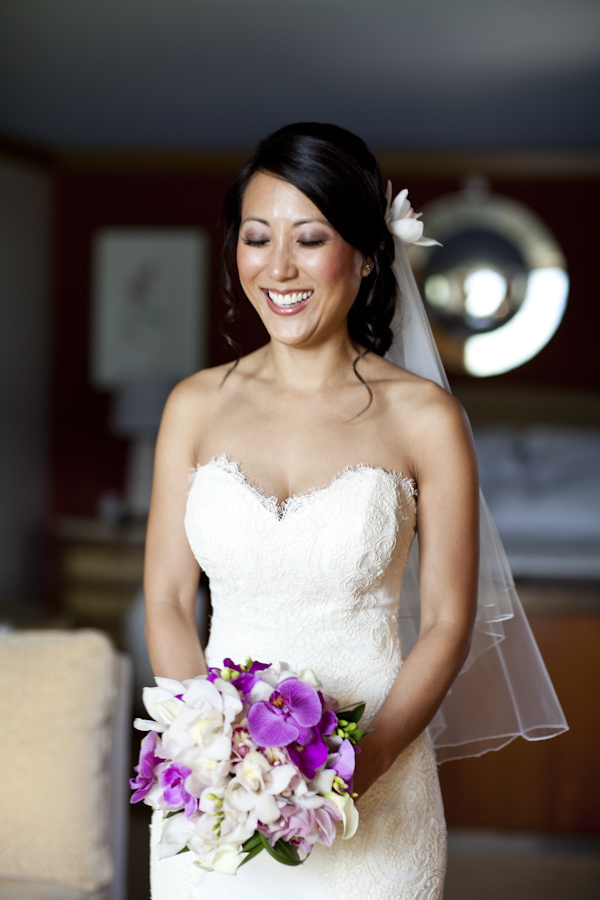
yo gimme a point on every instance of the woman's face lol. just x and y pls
(296, 270)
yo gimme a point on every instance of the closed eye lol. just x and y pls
(250, 243)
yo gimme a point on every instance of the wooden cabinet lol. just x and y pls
(551, 785)
(98, 572)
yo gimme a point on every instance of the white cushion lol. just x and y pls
(13, 889)
(57, 692)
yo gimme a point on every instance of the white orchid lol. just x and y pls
(255, 785)
(195, 714)
(221, 825)
(207, 731)
(206, 772)
(275, 755)
(162, 704)
(220, 695)
(402, 220)
(176, 832)
(309, 677)
(345, 804)
(307, 798)
(213, 852)
(226, 859)
(323, 782)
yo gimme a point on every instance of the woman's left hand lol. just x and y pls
(371, 763)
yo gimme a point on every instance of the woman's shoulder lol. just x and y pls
(195, 396)
(201, 386)
(418, 411)
(205, 392)
(409, 392)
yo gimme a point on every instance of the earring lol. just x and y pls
(367, 267)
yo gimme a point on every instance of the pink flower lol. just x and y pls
(345, 762)
(305, 827)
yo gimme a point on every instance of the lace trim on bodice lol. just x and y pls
(280, 509)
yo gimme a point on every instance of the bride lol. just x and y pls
(309, 459)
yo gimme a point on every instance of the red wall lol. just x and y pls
(86, 459)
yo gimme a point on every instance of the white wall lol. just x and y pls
(25, 243)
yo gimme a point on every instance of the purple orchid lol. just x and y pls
(310, 753)
(328, 722)
(247, 678)
(329, 703)
(311, 756)
(144, 780)
(288, 715)
(172, 780)
(345, 763)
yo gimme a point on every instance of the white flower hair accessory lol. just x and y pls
(403, 221)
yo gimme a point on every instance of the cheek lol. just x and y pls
(349, 262)
(241, 260)
(247, 264)
(344, 269)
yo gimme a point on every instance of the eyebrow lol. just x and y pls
(295, 224)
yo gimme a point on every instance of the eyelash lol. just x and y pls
(251, 243)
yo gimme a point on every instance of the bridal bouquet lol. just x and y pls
(246, 758)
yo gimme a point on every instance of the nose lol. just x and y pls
(282, 265)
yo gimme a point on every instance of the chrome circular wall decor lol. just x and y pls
(497, 288)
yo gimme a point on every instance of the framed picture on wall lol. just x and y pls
(150, 305)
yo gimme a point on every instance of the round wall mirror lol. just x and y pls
(497, 288)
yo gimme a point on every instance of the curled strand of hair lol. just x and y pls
(233, 366)
(232, 312)
(362, 381)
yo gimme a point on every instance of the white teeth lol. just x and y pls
(288, 299)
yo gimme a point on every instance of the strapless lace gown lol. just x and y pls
(315, 583)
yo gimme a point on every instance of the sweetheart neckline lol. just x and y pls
(281, 508)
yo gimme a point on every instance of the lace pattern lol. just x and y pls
(280, 509)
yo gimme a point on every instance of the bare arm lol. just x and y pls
(449, 552)
(170, 572)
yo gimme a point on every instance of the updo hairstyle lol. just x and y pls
(336, 171)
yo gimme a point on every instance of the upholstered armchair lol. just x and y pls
(65, 699)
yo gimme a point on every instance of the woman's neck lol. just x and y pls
(310, 369)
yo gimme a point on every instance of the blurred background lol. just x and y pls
(122, 123)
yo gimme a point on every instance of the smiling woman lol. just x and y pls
(290, 259)
(334, 182)
(302, 511)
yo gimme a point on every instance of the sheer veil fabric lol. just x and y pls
(503, 689)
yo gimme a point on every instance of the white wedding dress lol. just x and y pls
(315, 583)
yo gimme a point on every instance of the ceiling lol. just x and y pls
(189, 74)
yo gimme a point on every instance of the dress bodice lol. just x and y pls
(313, 582)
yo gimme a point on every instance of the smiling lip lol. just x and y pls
(295, 301)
